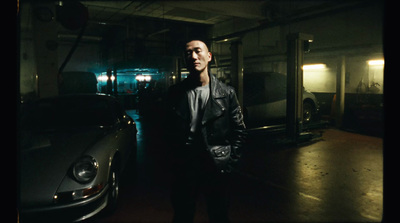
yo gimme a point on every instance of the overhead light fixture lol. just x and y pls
(376, 62)
(314, 66)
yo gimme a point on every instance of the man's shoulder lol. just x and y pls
(223, 86)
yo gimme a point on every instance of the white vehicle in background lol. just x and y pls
(265, 100)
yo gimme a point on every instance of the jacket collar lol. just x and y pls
(216, 90)
(213, 108)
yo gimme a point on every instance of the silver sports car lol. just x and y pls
(72, 151)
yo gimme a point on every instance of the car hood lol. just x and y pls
(46, 158)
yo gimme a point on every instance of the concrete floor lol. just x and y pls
(335, 178)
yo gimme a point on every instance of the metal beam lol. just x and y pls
(340, 90)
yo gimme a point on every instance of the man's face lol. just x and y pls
(197, 56)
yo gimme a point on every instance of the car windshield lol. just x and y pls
(69, 112)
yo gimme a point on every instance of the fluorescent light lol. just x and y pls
(143, 78)
(105, 78)
(314, 66)
(376, 62)
(102, 78)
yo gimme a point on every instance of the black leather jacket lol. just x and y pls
(222, 126)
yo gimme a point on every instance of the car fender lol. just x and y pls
(96, 151)
(309, 96)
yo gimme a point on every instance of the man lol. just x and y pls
(206, 134)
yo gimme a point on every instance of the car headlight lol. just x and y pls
(85, 169)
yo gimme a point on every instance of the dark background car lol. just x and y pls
(78, 82)
(265, 100)
(72, 151)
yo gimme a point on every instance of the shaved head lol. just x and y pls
(198, 43)
(197, 56)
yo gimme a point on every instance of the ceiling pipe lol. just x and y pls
(106, 23)
(144, 5)
(158, 32)
(83, 38)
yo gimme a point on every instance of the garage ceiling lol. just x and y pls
(211, 12)
(249, 15)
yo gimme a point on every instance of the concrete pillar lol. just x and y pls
(237, 69)
(340, 90)
(45, 44)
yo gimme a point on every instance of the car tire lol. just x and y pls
(308, 112)
(113, 191)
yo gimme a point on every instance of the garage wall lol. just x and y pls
(87, 57)
(355, 33)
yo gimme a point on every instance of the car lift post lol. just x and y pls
(109, 88)
(237, 69)
(294, 104)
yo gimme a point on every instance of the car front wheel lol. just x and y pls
(113, 193)
(308, 112)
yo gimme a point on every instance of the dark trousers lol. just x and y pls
(195, 178)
